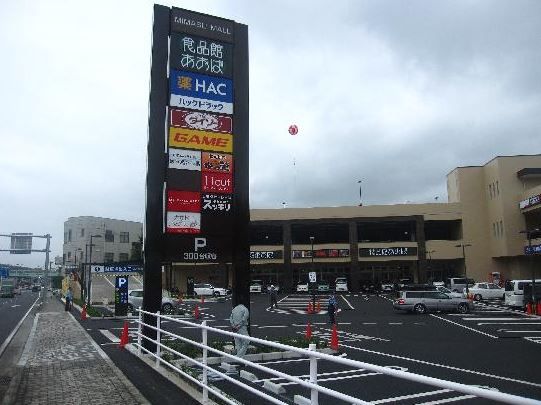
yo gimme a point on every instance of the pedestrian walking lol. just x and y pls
(331, 309)
(273, 295)
(69, 299)
(239, 323)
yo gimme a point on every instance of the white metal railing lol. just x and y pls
(311, 353)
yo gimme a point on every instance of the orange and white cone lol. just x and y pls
(308, 333)
(196, 312)
(334, 338)
(83, 313)
(124, 336)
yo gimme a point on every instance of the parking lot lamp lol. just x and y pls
(464, 246)
(530, 253)
(88, 280)
(314, 284)
(360, 193)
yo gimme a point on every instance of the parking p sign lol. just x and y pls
(121, 295)
(312, 276)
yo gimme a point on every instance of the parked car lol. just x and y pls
(422, 302)
(276, 287)
(18, 290)
(486, 291)
(135, 300)
(457, 284)
(36, 288)
(256, 286)
(341, 284)
(323, 286)
(7, 291)
(221, 292)
(445, 290)
(302, 287)
(205, 289)
(387, 287)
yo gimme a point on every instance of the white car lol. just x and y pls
(135, 300)
(256, 286)
(445, 290)
(221, 292)
(341, 284)
(276, 288)
(302, 287)
(486, 291)
(201, 289)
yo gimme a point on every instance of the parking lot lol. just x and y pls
(491, 346)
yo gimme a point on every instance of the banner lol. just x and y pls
(184, 159)
(202, 140)
(200, 120)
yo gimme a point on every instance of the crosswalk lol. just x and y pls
(298, 304)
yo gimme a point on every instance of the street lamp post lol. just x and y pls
(89, 275)
(360, 193)
(464, 246)
(313, 284)
(529, 252)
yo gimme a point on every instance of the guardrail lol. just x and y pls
(310, 353)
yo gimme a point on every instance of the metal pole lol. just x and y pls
(89, 272)
(139, 330)
(205, 371)
(158, 339)
(314, 400)
(360, 193)
(465, 269)
(314, 284)
(532, 267)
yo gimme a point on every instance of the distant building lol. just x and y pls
(488, 207)
(113, 240)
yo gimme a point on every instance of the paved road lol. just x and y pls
(12, 310)
(491, 346)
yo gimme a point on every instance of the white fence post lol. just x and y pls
(158, 339)
(313, 376)
(139, 331)
(205, 372)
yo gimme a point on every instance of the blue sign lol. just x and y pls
(201, 86)
(536, 249)
(115, 269)
(4, 272)
(121, 295)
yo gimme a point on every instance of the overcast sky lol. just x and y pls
(393, 93)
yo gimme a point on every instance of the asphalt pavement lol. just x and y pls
(12, 311)
(491, 347)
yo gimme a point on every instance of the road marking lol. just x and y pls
(109, 335)
(464, 326)
(420, 394)
(16, 328)
(395, 323)
(518, 331)
(355, 336)
(429, 363)
(347, 302)
(15, 306)
(272, 326)
(447, 400)
(509, 323)
(370, 323)
(497, 319)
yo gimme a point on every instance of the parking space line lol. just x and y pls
(464, 326)
(498, 319)
(447, 400)
(347, 302)
(109, 335)
(509, 323)
(429, 363)
(411, 396)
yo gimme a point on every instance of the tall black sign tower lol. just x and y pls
(197, 191)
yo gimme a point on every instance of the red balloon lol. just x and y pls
(293, 129)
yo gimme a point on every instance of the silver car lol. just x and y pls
(422, 302)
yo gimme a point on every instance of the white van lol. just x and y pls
(514, 292)
(457, 284)
(341, 284)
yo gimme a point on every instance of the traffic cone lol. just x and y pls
(308, 334)
(83, 313)
(334, 338)
(196, 312)
(124, 336)
(318, 306)
(529, 308)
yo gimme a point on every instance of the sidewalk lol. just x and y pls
(62, 364)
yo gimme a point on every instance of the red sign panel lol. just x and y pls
(202, 121)
(217, 162)
(183, 201)
(217, 183)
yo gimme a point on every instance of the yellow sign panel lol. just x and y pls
(200, 140)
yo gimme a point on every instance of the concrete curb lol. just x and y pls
(273, 387)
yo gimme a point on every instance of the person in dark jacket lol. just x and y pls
(331, 309)
(273, 295)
